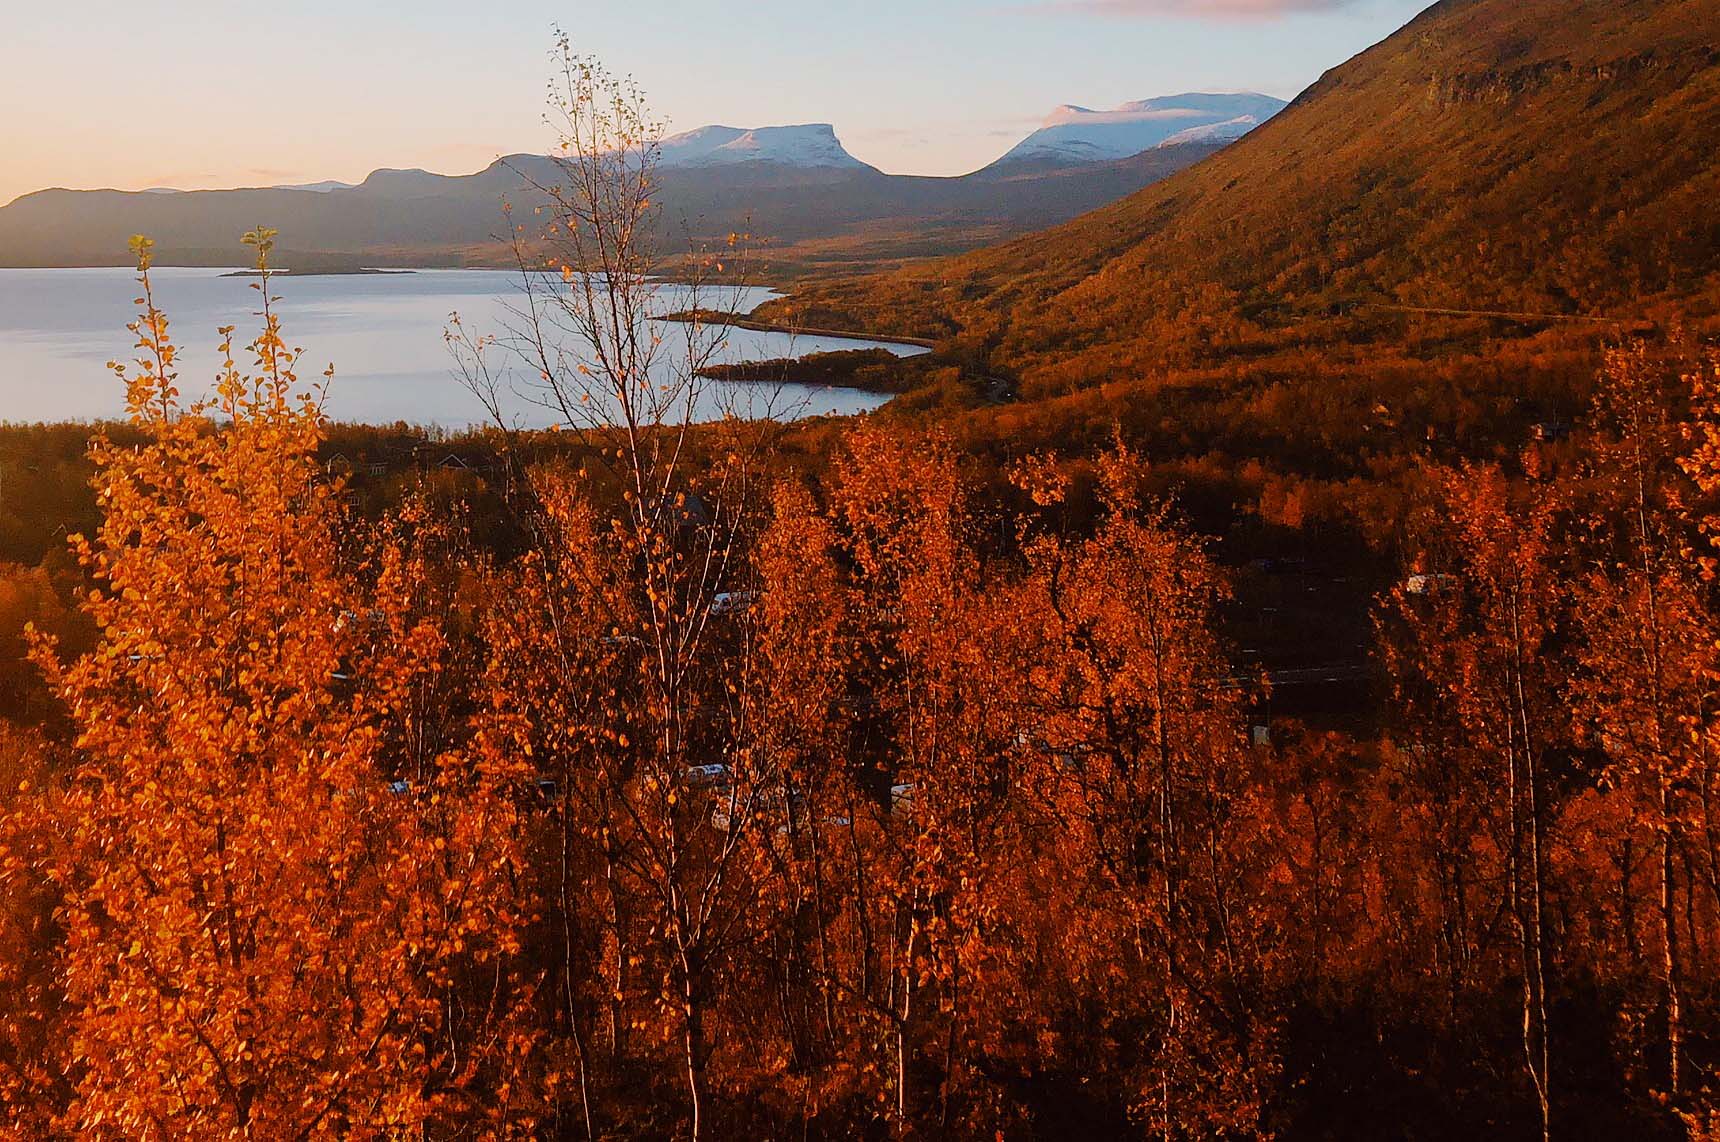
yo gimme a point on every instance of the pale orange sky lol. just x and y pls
(199, 93)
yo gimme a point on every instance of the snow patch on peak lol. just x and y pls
(1076, 134)
(1228, 131)
(1068, 113)
(690, 146)
(805, 145)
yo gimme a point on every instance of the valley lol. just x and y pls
(1204, 626)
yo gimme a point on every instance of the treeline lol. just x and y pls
(874, 370)
(734, 799)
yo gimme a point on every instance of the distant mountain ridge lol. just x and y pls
(810, 215)
(1074, 134)
(322, 187)
(795, 185)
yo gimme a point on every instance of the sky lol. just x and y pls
(210, 93)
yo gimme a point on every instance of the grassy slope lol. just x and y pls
(1527, 155)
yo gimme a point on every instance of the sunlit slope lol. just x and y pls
(1546, 156)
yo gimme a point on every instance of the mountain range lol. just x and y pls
(820, 207)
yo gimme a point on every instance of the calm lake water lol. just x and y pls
(383, 333)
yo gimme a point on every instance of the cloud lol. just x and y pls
(1195, 9)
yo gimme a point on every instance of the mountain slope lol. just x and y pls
(1545, 156)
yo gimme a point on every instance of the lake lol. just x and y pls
(382, 332)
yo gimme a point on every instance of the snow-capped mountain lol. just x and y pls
(1078, 135)
(810, 145)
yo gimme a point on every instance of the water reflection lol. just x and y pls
(383, 332)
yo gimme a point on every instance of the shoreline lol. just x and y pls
(365, 271)
(690, 316)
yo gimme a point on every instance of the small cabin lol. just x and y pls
(733, 602)
(707, 776)
(1426, 584)
(688, 511)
